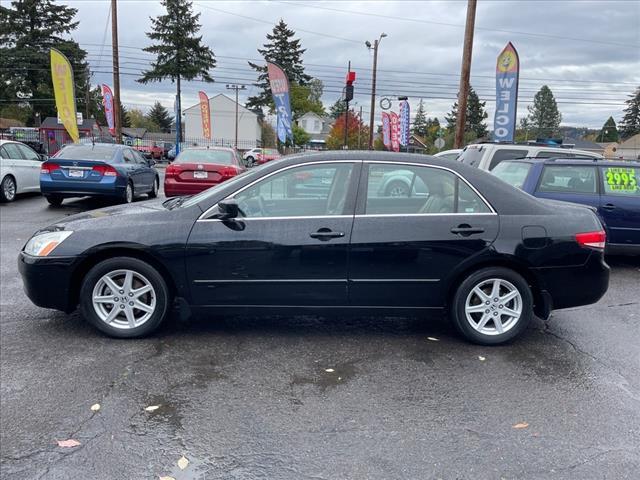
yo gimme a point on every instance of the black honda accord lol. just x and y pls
(318, 232)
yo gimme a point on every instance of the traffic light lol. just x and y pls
(348, 92)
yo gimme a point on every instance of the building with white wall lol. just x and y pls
(223, 118)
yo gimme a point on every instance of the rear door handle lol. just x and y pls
(325, 234)
(608, 206)
(466, 230)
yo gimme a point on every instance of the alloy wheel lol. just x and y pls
(493, 306)
(9, 189)
(124, 299)
(129, 194)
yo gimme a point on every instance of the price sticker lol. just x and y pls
(620, 179)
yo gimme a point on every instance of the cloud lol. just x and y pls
(420, 57)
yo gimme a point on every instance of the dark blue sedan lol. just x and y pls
(99, 170)
(609, 186)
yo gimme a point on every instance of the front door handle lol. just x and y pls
(325, 234)
(465, 230)
(608, 206)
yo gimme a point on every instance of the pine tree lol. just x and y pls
(630, 124)
(475, 118)
(180, 53)
(125, 120)
(160, 116)
(286, 52)
(338, 109)
(544, 117)
(420, 126)
(609, 132)
(28, 30)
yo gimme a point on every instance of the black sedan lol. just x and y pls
(271, 240)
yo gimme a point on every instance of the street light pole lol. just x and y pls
(376, 43)
(236, 87)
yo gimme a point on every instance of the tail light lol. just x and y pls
(596, 240)
(228, 172)
(48, 167)
(171, 171)
(105, 170)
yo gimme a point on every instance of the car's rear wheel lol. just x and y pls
(154, 190)
(124, 297)
(492, 306)
(8, 189)
(128, 193)
(54, 200)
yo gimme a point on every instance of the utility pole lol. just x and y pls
(463, 93)
(86, 94)
(359, 128)
(116, 71)
(376, 43)
(236, 87)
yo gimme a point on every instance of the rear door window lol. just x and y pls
(472, 156)
(621, 181)
(504, 154)
(514, 173)
(12, 151)
(568, 179)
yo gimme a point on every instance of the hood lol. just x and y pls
(120, 213)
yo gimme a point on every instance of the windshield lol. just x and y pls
(514, 173)
(86, 152)
(222, 157)
(194, 199)
(472, 155)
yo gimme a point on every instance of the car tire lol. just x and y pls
(8, 189)
(98, 300)
(396, 189)
(154, 190)
(487, 318)
(54, 200)
(129, 193)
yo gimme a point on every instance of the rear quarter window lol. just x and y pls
(472, 156)
(568, 179)
(506, 154)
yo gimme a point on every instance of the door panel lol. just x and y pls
(32, 165)
(620, 204)
(400, 259)
(287, 248)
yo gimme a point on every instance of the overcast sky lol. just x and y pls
(587, 52)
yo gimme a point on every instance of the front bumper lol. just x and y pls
(47, 280)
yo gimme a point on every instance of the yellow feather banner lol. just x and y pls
(62, 76)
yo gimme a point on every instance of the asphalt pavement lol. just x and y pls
(312, 397)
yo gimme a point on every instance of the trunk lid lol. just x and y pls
(78, 170)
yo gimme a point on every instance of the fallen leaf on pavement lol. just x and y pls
(167, 478)
(68, 443)
(329, 370)
(521, 425)
(433, 339)
(151, 408)
(182, 463)
(95, 407)
(481, 358)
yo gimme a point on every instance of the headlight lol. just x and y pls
(42, 244)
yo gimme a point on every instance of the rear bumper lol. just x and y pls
(622, 249)
(173, 188)
(47, 280)
(70, 188)
(567, 287)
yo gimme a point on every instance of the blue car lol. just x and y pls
(611, 187)
(99, 170)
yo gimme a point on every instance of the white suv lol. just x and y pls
(487, 155)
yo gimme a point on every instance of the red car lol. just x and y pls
(151, 151)
(196, 169)
(267, 155)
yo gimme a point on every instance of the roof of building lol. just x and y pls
(134, 132)
(631, 142)
(51, 123)
(582, 144)
(241, 107)
(10, 122)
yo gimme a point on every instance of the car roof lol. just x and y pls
(225, 149)
(518, 146)
(574, 161)
(97, 144)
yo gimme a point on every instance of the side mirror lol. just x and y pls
(151, 162)
(43, 157)
(227, 209)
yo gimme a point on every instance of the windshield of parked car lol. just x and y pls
(222, 157)
(86, 152)
(472, 155)
(514, 173)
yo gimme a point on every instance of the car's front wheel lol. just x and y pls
(154, 190)
(124, 297)
(8, 189)
(492, 306)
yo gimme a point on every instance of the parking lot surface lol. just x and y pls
(312, 397)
